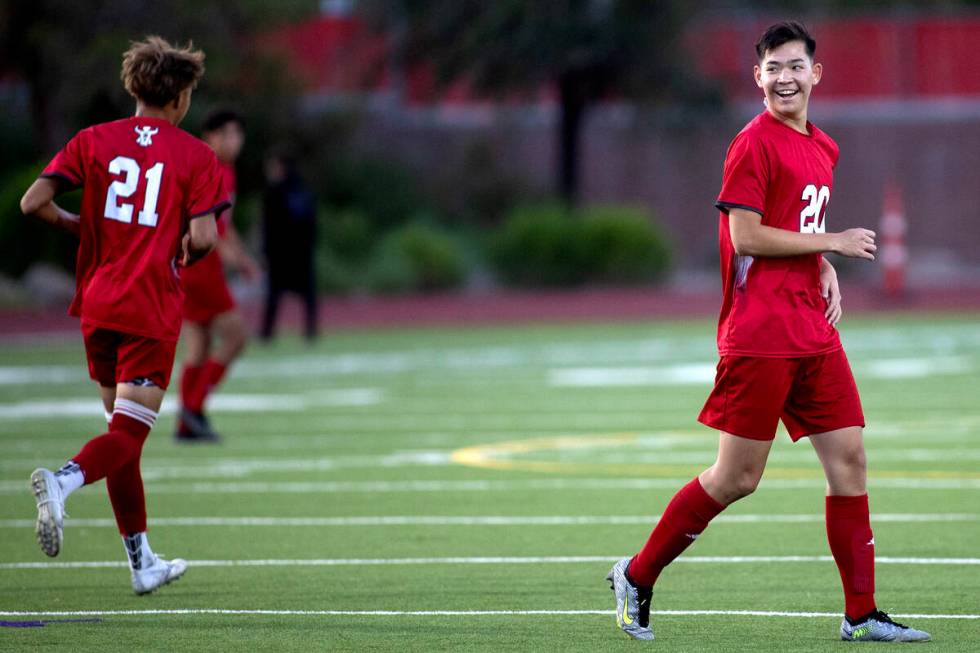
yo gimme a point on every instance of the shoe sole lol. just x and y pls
(49, 534)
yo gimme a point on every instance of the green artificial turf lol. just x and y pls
(369, 442)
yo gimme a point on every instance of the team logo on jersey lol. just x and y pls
(144, 135)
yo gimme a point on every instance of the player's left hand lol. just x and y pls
(830, 290)
(249, 269)
(185, 250)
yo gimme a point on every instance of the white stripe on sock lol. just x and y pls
(136, 411)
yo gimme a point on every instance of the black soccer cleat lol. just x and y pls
(194, 427)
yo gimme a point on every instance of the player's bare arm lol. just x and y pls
(232, 251)
(752, 238)
(200, 239)
(39, 201)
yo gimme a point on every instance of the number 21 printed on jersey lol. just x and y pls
(123, 188)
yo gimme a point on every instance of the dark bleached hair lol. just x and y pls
(785, 32)
(157, 73)
(218, 119)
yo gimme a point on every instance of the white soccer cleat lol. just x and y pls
(879, 627)
(632, 602)
(50, 510)
(158, 574)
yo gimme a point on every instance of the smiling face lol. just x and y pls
(786, 75)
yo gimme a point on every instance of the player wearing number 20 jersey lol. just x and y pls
(143, 180)
(772, 305)
(780, 356)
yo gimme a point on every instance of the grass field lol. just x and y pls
(469, 490)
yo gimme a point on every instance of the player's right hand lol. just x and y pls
(856, 243)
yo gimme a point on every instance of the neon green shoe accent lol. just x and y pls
(626, 611)
(861, 632)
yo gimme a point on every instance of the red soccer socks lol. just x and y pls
(685, 517)
(125, 486)
(190, 380)
(202, 380)
(213, 373)
(103, 455)
(853, 546)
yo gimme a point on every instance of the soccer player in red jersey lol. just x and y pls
(781, 357)
(209, 310)
(150, 194)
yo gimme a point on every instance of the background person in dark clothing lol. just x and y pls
(289, 229)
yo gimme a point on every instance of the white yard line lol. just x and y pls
(544, 484)
(703, 373)
(450, 613)
(238, 467)
(480, 560)
(222, 402)
(940, 345)
(490, 520)
(598, 377)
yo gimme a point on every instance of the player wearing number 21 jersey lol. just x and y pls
(143, 179)
(150, 194)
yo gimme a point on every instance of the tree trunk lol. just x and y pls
(573, 103)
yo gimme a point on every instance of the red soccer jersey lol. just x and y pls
(772, 306)
(229, 189)
(209, 270)
(143, 179)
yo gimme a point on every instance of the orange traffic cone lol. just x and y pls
(891, 237)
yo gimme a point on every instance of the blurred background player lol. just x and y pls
(150, 195)
(781, 357)
(214, 330)
(289, 237)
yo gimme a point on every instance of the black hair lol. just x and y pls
(218, 119)
(785, 32)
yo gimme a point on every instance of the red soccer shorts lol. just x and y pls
(814, 394)
(206, 294)
(116, 357)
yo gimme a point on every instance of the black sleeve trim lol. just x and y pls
(67, 183)
(725, 206)
(216, 210)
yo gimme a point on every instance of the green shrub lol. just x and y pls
(25, 239)
(333, 275)
(416, 257)
(347, 233)
(622, 245)
(385, 193)
(538, 246)
(551, 245)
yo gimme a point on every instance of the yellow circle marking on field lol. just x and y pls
(504, 456)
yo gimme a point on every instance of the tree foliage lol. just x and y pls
(583, 50)
(68, 53)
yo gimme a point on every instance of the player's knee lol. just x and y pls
(854, 460)
(728, 488)
(234, 335)
(240, 337)
(860, 460)
(745, 484)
